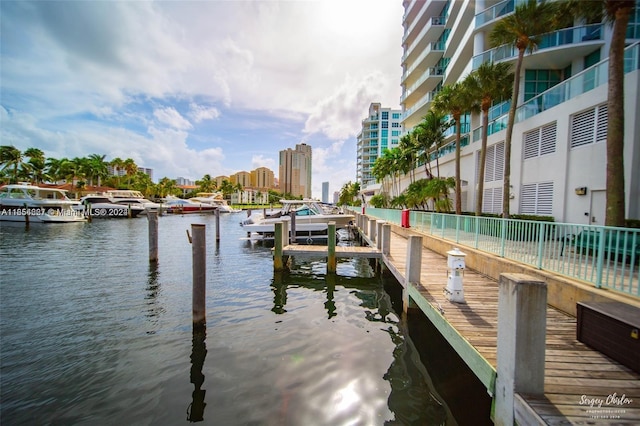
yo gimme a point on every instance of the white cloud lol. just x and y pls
(171, 117)
(199, 113)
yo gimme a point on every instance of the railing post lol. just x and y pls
(365, 225)
(600, 260)
(542, 230)
(477, 231)
(522, 321)
(503, 235)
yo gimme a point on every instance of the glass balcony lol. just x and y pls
(562, 37)
(435, 47)
(577, 85)
(433, 22)
(495, 12)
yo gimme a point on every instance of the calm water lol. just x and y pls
(91, 334)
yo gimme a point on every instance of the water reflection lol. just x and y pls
(195, 411)
(279, 293)
(330, 305)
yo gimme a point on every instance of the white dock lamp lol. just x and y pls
(455, 265)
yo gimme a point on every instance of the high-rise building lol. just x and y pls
(325, 192)
(558, 157)
(295, 171)
(243, 178)
(381, 130)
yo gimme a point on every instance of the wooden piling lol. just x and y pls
(293, 239)
(331, 248)
(217, 225)
(278, 264)
(152, 218)
(199, 255)
(379, 234)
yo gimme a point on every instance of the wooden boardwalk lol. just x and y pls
(582, 386)
(301, 250)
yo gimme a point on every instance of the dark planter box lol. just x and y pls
(611, 328)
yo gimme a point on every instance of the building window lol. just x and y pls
(395, 124)
(589, 126)
(373, 135)
(395, 116)
(540, 141)
(394, 141)
(385, 115)
(395, 133)
(537, 198)
(384, 142)
(385, 124)
(537, 81)
(384, 133)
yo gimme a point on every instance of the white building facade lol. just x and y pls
(558, 158)
(381, 130)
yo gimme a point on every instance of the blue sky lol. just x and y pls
(195, 87)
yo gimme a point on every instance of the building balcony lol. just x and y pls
(427, 82)
(567, 44)
(428, 9)
(429, 57)
(430, 33)
(575, 86)
(496, 11)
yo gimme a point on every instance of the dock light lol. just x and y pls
(455, 266)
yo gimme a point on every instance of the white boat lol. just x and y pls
(180, 206)
(130, 197)
(215, 199)
(25, 202)
(99, 206)
(311, 219)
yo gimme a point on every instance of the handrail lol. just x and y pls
(605, 256)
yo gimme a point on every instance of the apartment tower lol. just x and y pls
(381, 130)
(295, 171)
(558, 156)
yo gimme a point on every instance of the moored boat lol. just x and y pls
(215, 199)
(99, 206)
(127, 197)
(180, 206)
(311, 219)
(30, 203)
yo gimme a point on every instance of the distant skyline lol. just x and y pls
(203, 87)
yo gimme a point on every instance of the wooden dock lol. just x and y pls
(576, 376)
(300, 250)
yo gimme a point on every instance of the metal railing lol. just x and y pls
(605, 256)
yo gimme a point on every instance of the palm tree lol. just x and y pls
(206, 184)
(455, 100)
(429, 138)
(117, 165)
(521, 29)
(11, 161)
(96, 168)
(490, 83)
(130, 168)
(35, 165)
(617, 14)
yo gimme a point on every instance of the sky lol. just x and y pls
(190, 88)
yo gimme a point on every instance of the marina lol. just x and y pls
(96, 333)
